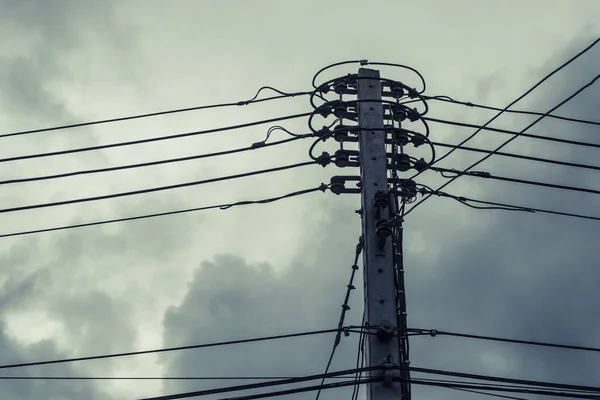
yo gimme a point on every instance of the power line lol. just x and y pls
(224, 206)
(509, 207)
(561, 386)
(180, 110)
(569, 98)
(267, 384)
(479, 129)
(154, 139)
(448, 99)
(156, 189)
(154, 378)
(436, 332)
(519, 156)
(180, 348)
(487, 175)
(460, 385)
(305, 389)
(510, 132)
(345, 307)
(153, 163)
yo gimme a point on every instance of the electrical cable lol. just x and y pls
(487, 175)
(264, 384)
(154, 378)
(225, 206)
(180, 110)
(334, 385)
(367, 62)
(523, 157)
(510, 132)
(459, 385)
(360, 359)
(507, 207)
(448, 99)
(180, 348)
(569, 98)
(553, 385)
(254, 146)
(345, 307)
(154, 139)
(436, 332)
(513, 103)
(156, 189)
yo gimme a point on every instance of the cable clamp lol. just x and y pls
(324, 159)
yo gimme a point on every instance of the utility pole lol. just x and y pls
(378, 257)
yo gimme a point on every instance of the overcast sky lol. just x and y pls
(283, 267)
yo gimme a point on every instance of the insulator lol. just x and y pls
(340, 110)
(340, 86)
(337, 185)
(397, 89)
(400, 137)
(402, 162)
(342, 157)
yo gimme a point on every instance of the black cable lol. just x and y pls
(487, 175)
(523, 157)
(154, 139)
(511, 207)
(334, 385)
(260, 385)
(360, 359)
(526, 391)
(153, 378)
(448, 99)
(435, 332)
(254, 146)
(345, 307)
(169, 349)
(569, 98)
(367, 62)
(156, 189)
(225, 206)
(561, 386)
(510, 132)
(512, 103)
(500, 396)
(180, 110)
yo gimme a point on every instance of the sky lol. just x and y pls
(283, 267)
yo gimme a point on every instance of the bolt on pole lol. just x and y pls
(378, 259)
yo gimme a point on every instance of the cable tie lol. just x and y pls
(364, 62)
(258, 144)
(323, 187)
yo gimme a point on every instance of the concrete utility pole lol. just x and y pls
(379, 275)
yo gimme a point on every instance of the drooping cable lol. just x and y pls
(254, 99)
(436, 332)
(487, 175)
(345, 307)
(254, 146)
(266, 384)
(224, 206)
(156, 189)
(153, 139)
(511, 132)
(511, 207)
(180, 348)
(519, 156)
(448, 99)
